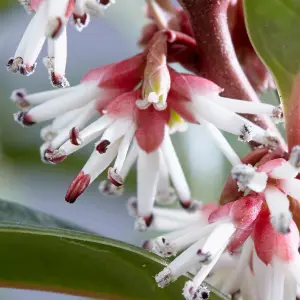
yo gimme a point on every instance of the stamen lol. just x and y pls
(246, 176)
(192, 292)
(270, 140)
(56, 156)
(77, 187)
(54, 27)
(164, 278)
(277, 114)
(204, 258)
(81, 21)
(43, 150)
(246, 133)
(75, 136)
(19, 98)
(109, 189)
(114, 177)
(102, 146)
(143, 223)
(23, 118)
(59, 81)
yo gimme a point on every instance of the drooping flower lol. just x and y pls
(229, 228)
(128, 133)
(49, 23)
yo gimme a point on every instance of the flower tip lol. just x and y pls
(80, 22)
(114, 177)
(143, 223)
(204, 257)
(109, 189)
(190, 292)
(75, 136)
(19, 98)
(102, 146)
(58, 81)
(277, 114)
(271, 140)
(23, 118)
(77, 187)
(281, 222)
(16, 65)
(163, 247)
(55, 156)
(164, 278)
(243, 174)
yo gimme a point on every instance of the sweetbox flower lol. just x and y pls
(277, 181)
(128, 133)
(228, 229)
(49, 22)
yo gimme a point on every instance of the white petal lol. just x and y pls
(117, 129)
(83, 94)
(39, 98)
(165, 193)
(278, 205)
(291, 187)
(263, 278)
(226, 120)
(221, 142)
(88, 134)
(56, 13)
(130, 160)
(84, 116)
(33, 38)
(124, 146)
(147, 178)
(284, 171)
(58, 50)
(233, 280)
(175, 170)
(245, 107)
(97, 163)
(278, 276)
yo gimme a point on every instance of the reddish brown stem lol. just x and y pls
(218, 61)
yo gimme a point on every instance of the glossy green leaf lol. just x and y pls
(17, 214)
(81, 264)
(273, 26)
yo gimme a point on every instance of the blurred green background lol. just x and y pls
(25, 179)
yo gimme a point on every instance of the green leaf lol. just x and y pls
(17, 214)
(273, 26)
(81, 264)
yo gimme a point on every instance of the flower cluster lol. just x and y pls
(130, 109)
(49, 23)
(257, 230)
